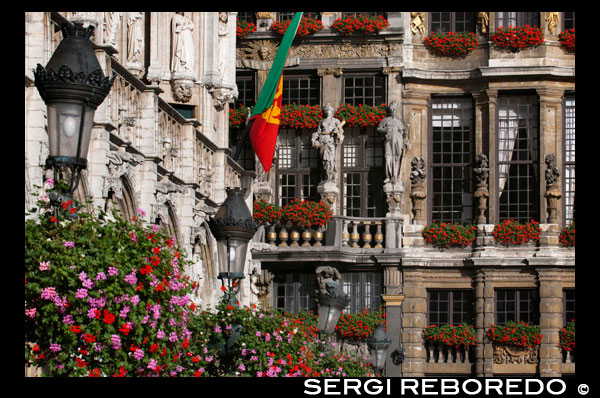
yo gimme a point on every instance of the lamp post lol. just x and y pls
(233, 227)
(332, 300)
(378, 344)
(73, 86)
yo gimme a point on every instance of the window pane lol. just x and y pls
(569, 160)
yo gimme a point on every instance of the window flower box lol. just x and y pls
(361, 115)
(266, 213)
(238, 116)
(511, 232)
(358, 327)
(307, 27)
(301, 116)
(567, 236)
(567, 40)
(446, 235)
(244, 28)
(515, 343)
(453, 45)
(449, 343)
(359, 24)
(517, 38)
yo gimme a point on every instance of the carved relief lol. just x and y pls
(417, 23)
(346, 50)
(504, 354)
(483, 20)
(260, 50)
(552, 21)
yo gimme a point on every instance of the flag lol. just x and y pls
(266, 114)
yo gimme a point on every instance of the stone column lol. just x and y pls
(488, 320)
(332, 85)
(479, 291)
(551, 321)
(154, 74)
(492, 98)
(414, 320)
(393, 313)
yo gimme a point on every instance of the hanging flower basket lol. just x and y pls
(567, 40)
(361, 115)
(244, 28)
(238, 116)
(307, 27)
(517, 38)
(511, 232)
(301, 116)
(360, 24)
(449, 235)
(450, 44)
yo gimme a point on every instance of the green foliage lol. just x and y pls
(449, 235)
(462, 335)
(513, 333)
(359, 326)
(567, 336)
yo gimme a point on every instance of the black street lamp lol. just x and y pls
(378, 344)
(72, 85)
(233, 227)
(332, 300)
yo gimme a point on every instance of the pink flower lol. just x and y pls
(44, 266)
(138, 354)
(54, 347)
(48, 293)
(152, 364)
(30, 312)
(68, 243)
(141, 212)
(81, 293)
(112, 271)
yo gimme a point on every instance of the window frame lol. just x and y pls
(534, 304)
(357, 99)
(566, 304)
(296, 285)
(453, 22)
(521, 19)
(534, 192)
(468, 179)
(358, 281)
(567, 162)
(469, 313)
(314, 83)
(565, 19)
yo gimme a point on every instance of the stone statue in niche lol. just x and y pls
(182, 57)
(396, 142)
(326, 139)
(112, 22)
(135, 39)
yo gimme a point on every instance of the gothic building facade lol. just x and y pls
(478, 131)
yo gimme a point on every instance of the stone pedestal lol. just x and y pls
(263, 191)
(394, 193)
(182, 87)
(329, 195)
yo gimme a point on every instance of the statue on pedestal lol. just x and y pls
(396, 142)
(326, 139)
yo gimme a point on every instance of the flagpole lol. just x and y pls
(238, 149)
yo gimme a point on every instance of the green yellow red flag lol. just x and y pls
(265, 117)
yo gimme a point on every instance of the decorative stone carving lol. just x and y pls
(265, 15)
(553, 193)
(112, 22)
(417, 188)
(135, 41)
(327, 276)
(481, 172)
(417, 23)
(260, 50)
(395, 140)
(552, 21)
(483, 20)
(84, 18)
(222, 95)
(182, 90)
(345, 50)
(506, 354)
(120, 163)
(328, 137)
(337, 72)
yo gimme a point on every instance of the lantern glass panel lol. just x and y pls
(328, 318)
(237, 255)
(64, 119)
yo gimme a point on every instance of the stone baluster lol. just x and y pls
(430, 352)
(378, 235)
(283, 235)
(306, 237)
(354, 236)
(272, 235)
(366, 235)
(318, 235)
(294, 236)
(345, 233)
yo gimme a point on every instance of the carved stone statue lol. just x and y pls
(553, 193)
(417, 21)
(481, 172)
(483, 20)
(326, 139)
(182, 57)
(396, 141)
(327, 276)
(552, 173)
(552, 20)
(135, 39)
(417, 189)
(112, 22)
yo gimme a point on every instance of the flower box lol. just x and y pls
(450, 44)
(360, 24)
(515, 343)
(301, 116)
(447, 235)
(306, 27)
(567, 236)
(517, 38)
(244, 28)
(359, 327)
(567, 337)
(567, 40)
(306, 213)
(511, 232)
(449, 343)
(238, 116)
(266, 213)
(361, 115)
